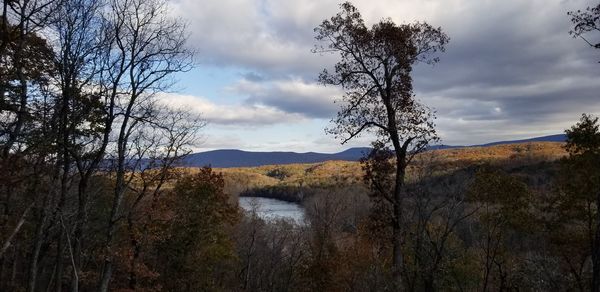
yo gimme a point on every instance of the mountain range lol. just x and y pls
(551, 138)
(240, 158)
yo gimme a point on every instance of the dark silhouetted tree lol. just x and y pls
(586, 22)
(143, 55)
(198, 250)
(579, 189)
(375, 72)
(504, 205)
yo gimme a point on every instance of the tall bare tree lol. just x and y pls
(375, 72)
(157, 149)
(78, 113)
(146, 46)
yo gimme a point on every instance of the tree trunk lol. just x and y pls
(397, 228)
(59, 261)
(61, 206)
(35, 254)
(136, 248)
(112, 226)
(80, 225)
(400, 154)
(398, 257)
(596, 252)
(16, 230)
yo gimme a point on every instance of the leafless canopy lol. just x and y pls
(587, 22)
(374, 70)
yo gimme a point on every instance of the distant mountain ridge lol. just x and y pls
(550, 138)
(239, 158)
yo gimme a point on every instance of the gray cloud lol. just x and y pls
(292, 96)
(253, 76)
(519, 59)
(510, 70)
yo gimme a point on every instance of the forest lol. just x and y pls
(93, 196)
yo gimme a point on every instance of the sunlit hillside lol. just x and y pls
(328, 173)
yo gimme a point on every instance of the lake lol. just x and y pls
(268, 209)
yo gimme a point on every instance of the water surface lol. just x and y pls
(270, 209)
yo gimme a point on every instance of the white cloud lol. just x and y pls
(233, 115)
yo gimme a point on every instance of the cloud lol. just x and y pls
(293, 96)
(213, 142)
(511, 67)
(253, 76)
(249, 34)
(230, 115)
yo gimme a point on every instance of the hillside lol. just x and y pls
(330, 172)
(519, 153)
(240, 158)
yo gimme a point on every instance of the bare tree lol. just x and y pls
(437, 208)
(78, 116)
(157, 149)
(586, 22)
(374, 71)
(146, 46)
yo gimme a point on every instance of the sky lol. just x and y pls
(510, 71)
